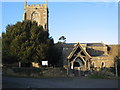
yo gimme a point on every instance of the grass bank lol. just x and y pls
(34, 72)
(102, 75)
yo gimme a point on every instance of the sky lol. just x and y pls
(84, 22)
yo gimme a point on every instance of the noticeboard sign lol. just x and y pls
(44, 63)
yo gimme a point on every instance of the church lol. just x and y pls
(84, 56)
(77, 56)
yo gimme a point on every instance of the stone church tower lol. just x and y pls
(38, 13)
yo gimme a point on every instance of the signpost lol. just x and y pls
(67, 67)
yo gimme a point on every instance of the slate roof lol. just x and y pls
(88, 44)
(95, 44)
(68, 47)
(78, 45)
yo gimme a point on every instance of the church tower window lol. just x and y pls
(34, 16)
(25, 16)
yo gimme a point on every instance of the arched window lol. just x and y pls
(25, 15)
(80, 61)
(93, 64)
(103, 64)
(34, 16)
(45, 26)
(76, 64)
(34, 13)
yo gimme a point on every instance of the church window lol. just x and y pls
(80, 62)
(76, 64)
(45, 26)
(103, 64)
(93, 64)
(25, 16)
(34, 16)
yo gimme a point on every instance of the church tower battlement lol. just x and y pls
(38, 13)
(44, 6)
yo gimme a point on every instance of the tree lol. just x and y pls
(62, 39)
(54, 55)
(25, 42)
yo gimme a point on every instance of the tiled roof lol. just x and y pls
(88, 44)
(95, 44)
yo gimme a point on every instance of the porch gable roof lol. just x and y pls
(78, 45)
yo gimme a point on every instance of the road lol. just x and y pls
(13, 82)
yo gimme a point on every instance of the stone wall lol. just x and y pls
(114, 50)
(97, 49)
(106, 63)
(103, 56)
(37, 13)
(108, 60)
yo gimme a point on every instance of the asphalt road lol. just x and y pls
(13, 82)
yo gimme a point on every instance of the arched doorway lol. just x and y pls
(34, 16)
(78, 62)
(77, 66)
